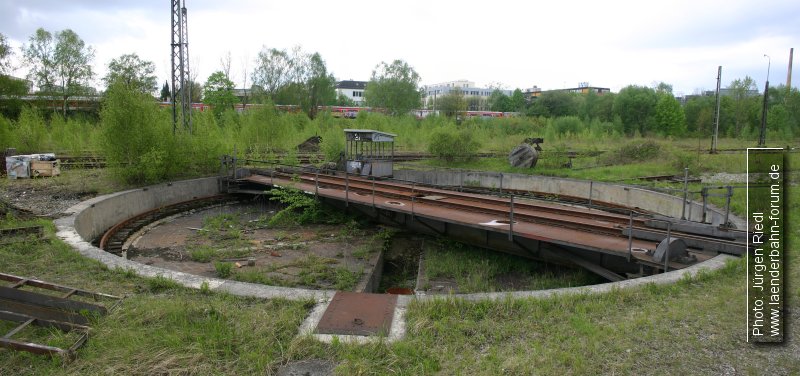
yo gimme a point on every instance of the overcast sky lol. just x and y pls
(550, 44)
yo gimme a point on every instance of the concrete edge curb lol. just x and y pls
(715, 263)
(66, 231)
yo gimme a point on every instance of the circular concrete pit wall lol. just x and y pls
(89, 219)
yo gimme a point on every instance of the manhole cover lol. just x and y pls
(312, 367)
(351, 313)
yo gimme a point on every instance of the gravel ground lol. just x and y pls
(48, 197)
(724, 178)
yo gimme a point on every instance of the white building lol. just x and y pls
(470, 90)
(353, 90)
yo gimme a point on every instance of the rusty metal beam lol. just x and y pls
(33, 308)
(20, 281)
(571, 257)
(11, 235)
(18, 317)
(48, 301)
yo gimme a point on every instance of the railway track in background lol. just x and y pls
(69, 161)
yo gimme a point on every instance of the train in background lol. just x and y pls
(92, 103)
(350, 112)
(421, 114)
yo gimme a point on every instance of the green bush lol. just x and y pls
(567, 125)
(202, 254)
(332, 144)
(300, 209)
(134, 133)
(637, 151)
(30, 131)
(141, 146)
(224, 269)
(161, 283)
(681, 160)
(453, 145)
(5, 134)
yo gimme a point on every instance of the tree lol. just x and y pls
(165, 92)
(133, 72)
(272, 70)
(746, 104)
(11, 88)
(59, 65)
(453, 103)
(499, 101)
(225, 65)
(663, 88)
(518, 100)
(218, 92)
(196, 91)
(6, 52)
(345, 101)
(394, 87)
(669, 116)
(597, 106)
(785, 105)
(320, 85)
(557, 103)
(635, 106)
(476, 103)
(699, 112)
(295, 78)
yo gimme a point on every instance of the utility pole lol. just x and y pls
(789, 75)
(716, 113)
(762, 137)
(180, 68)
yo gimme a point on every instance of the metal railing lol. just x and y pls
(688, 196)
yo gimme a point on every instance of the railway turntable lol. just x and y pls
(613, 245)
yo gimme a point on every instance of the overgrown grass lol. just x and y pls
(311, 271)
(479, 270)
(159, 328)
(693, 327)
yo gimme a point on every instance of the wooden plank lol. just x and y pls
(45, 168)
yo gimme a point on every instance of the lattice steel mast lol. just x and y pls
(181, 83)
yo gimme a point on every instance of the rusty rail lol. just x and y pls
(113, 239)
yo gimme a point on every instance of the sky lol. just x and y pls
(513, 44)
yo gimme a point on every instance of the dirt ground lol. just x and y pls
(43, 197)
(287, 256)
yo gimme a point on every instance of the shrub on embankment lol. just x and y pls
(138, 141)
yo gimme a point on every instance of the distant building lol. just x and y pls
(727, 92)
(353, 90)
(475, 95)
(583, 88)
(242, 94)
